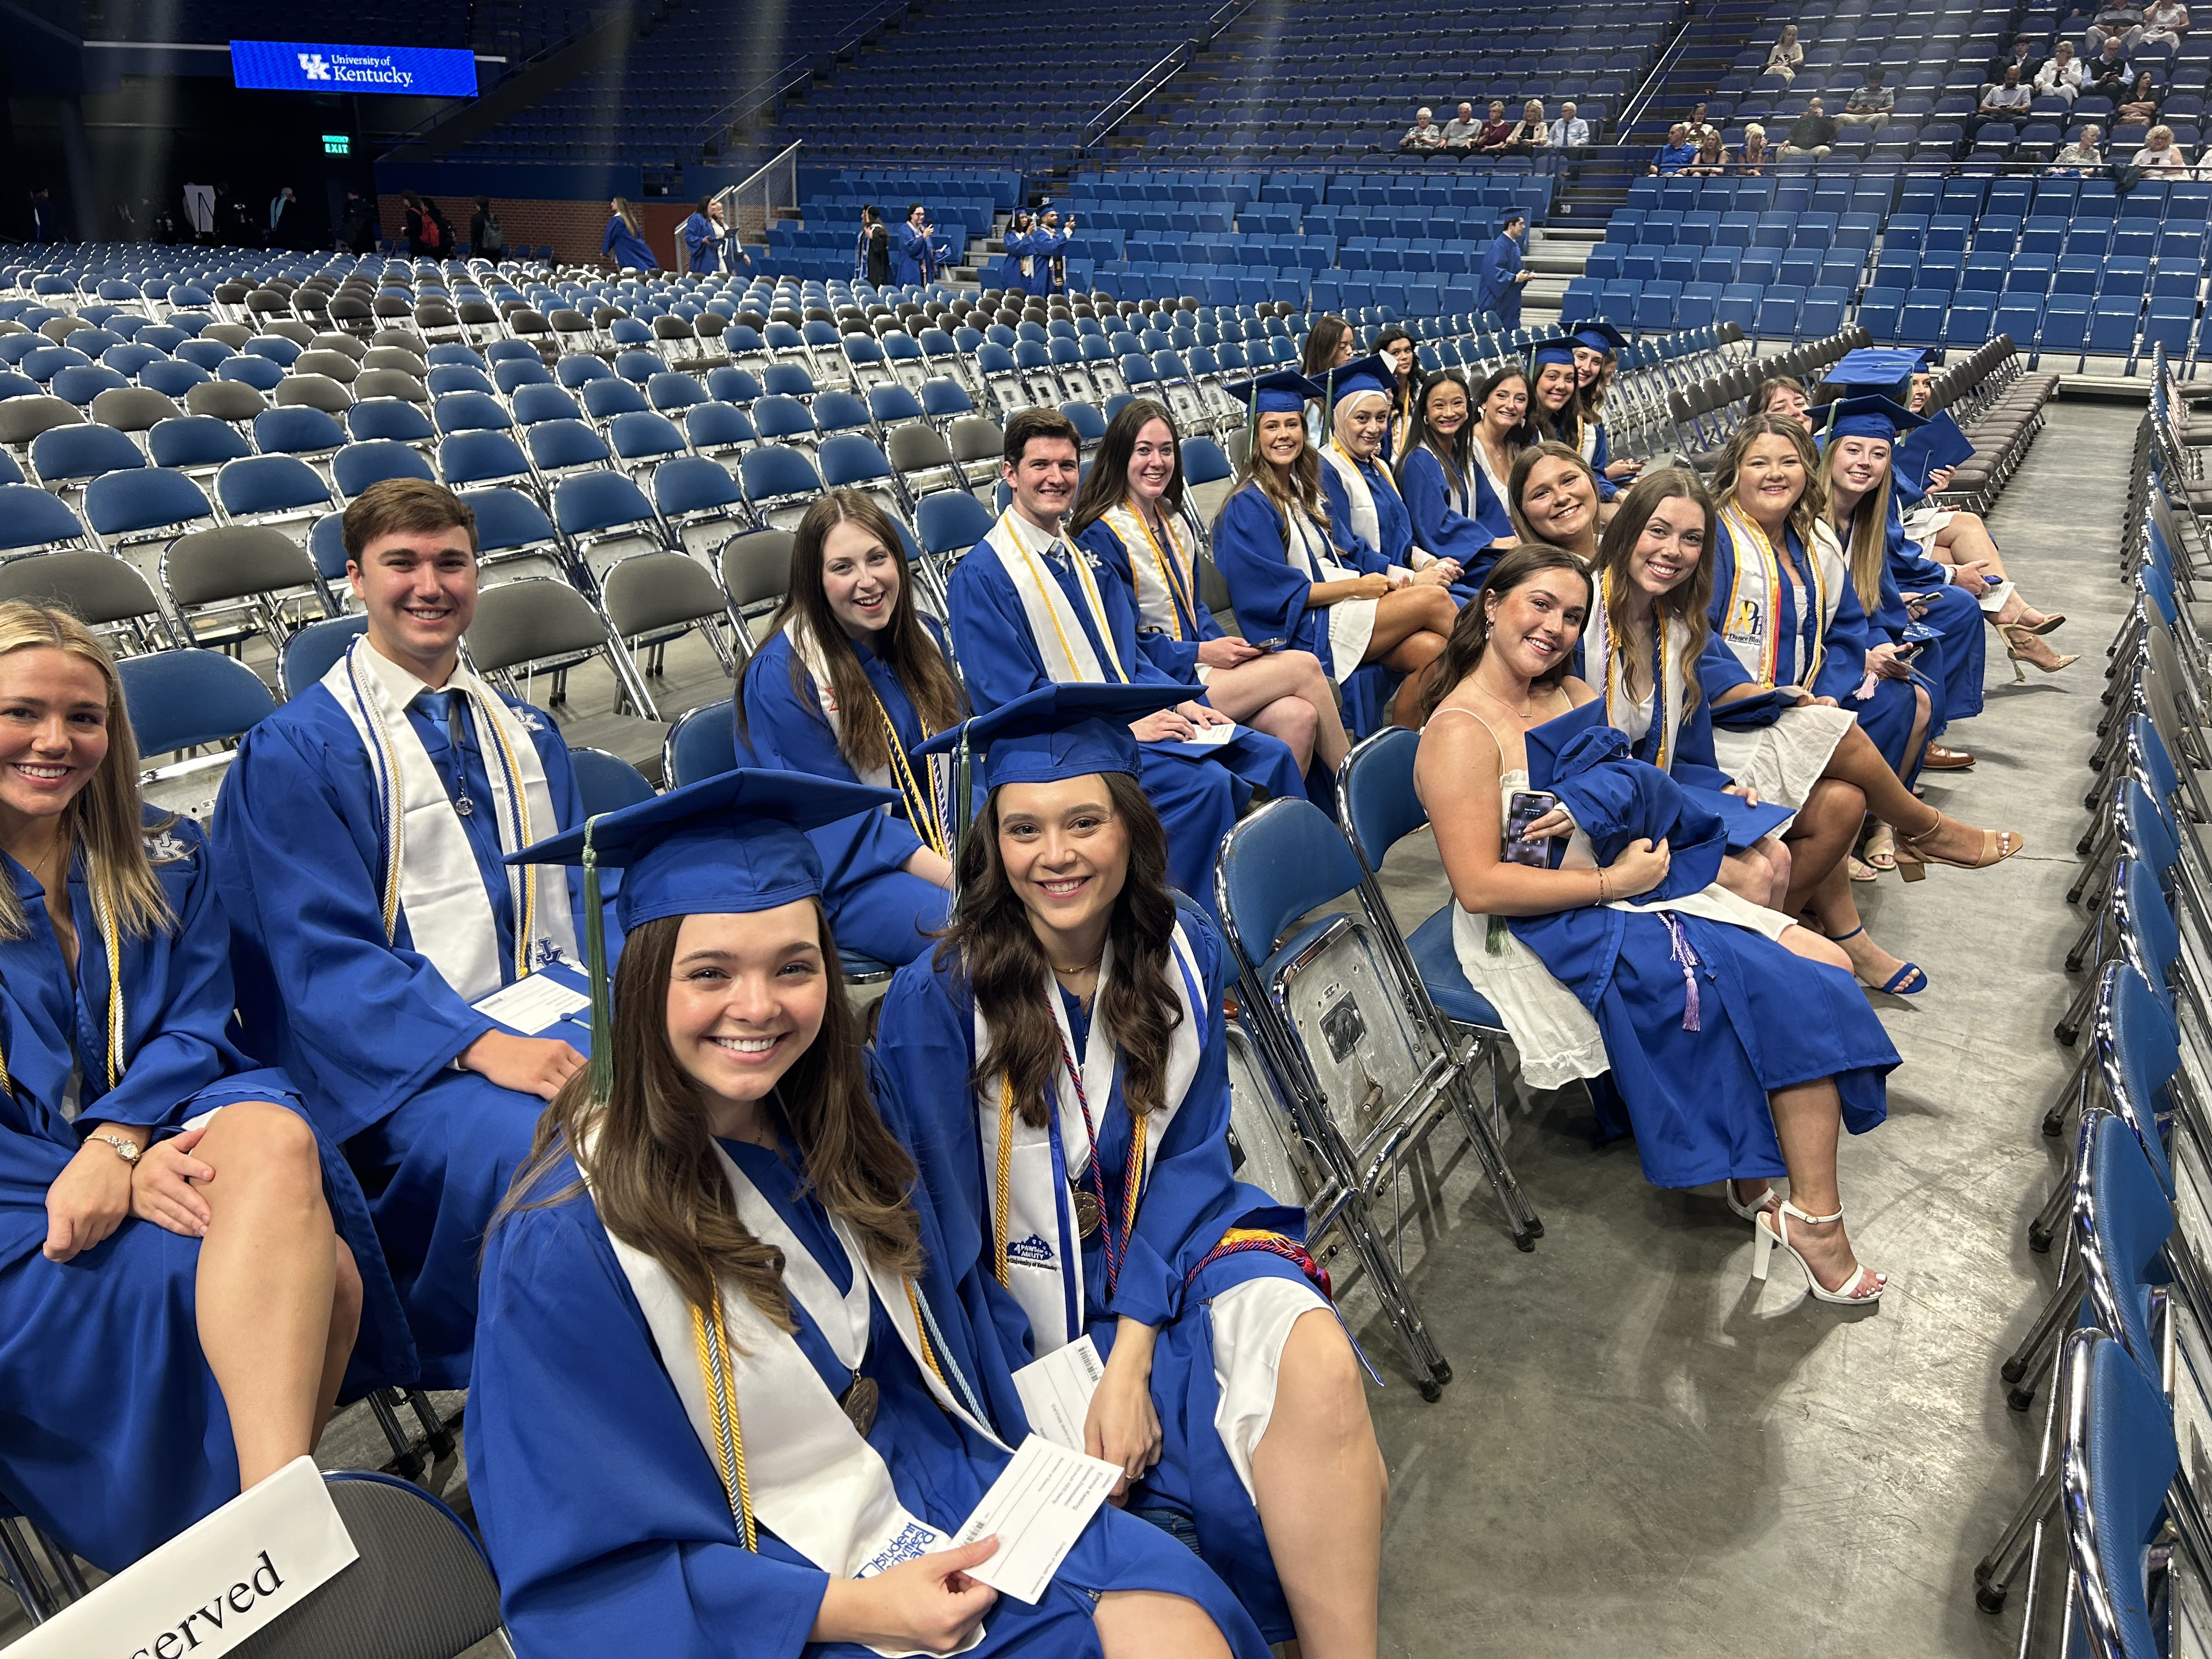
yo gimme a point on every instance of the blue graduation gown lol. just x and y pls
(913, 256)
(1270, 595)
(1695, 1099)
(1954, 676)
(875, 905)
(1887, 716)
(1495, 288)
(1198, 791)
(1045, 245)
(626, 249)
(1012, 277)
(299, 838)
(1192, 1197)
(113, 1437)
(624, 1542)
(1600, 456)
(702, 244)
(1437, 526)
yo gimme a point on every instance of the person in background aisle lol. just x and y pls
(42, 214)
(1292, 584)
(1597, 346)
(1811, 134)
(1460, 133)
(1014, 263)
(875, 249)
(418, 226)
(1870, 106)
(773, 1374)
(1452, 509)
(1676, 155)
(358, 231)
(624, 242)
(915, 251)
(283, 218)
(186, 1265)
(1129, 514)
(709, 244)
(1395, 345)
(1498, 288)
(851, 681)
(1783, 58)
(1424, 136)
(2062, 76)
(1049, 246)
(487, 236)
(360, 834)
(1366, 511)
(1072, 1019)
(1031, 607)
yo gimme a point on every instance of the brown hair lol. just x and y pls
(628, 215)
(1108, 482)
(1299, 492)
(999, 955)
(656, 1182)
(1470, 635)
(1810, 507)
(1030, 425)
(396, 505)
(1525, 463)
(1867, 550)
(1687, 600)
(1456, 453)
(1319, 354)
(1763, 393)
(903, 645)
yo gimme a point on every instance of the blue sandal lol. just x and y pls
(1895, 985)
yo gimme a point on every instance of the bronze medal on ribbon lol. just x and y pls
(1087, 1213)
(859, 1403)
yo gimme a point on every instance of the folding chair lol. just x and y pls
(607, 782)
(755, 572)
(700, 502)
(539, 625)
(655, 597)
(604, 517)
(253, 576)
(272, 489)
(189, 700)
(780, 482)
(110, 595)
(312, 651)
(700, 744)
(358, 465)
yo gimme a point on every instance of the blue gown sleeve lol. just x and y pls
(1444, 532)
(1176, 658)
(1269, 596)
(1694, 762)
(1842, 663)
(1607, 490)
(1911, 568)
(788, 734)
(1719, 671)
(607, 241)
(623, 1543)
(991, 635)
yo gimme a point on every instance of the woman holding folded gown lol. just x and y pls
(729, 1358)
(1451, 502)
(853, 681)
(185, 1268)
(1070, 1099)
(1738, 1045)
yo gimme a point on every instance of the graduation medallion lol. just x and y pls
(859, 1403)
(1087, 1213)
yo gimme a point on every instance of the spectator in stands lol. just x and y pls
(2107, 71)
(1531, 133)
(1129, 516)
(1461, 131)
(1783, 58)
(1712, 159)
(853, 681)
(1570, 131)
(2022, 52)
(1695, 129)
(1870, 106)
(1754, 155)
(1496, 131)
(624, 241)
(42, 214)
(2007, 100)
(1676, 155)
(916, 255)
(2084, 157)
(2117, 20)
(2141, 104)
(1289, 579)
(283, 218)
(2159, 153)
(2165, 23)
(361, 834)
(1499, 289)
(1811, 134)
(1452, 510)
(2063, 75)
(1425, 134)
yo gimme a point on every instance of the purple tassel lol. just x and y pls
(1692, 1020)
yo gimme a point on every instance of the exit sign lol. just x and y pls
(336, 143)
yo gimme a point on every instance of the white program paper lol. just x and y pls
(533, 1002)
(1993, 600)
(1035, 1508)
(1056, 1391)
(1212, 736)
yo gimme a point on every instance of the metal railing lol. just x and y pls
(787, 77)
(1134, 97)
(749, 206)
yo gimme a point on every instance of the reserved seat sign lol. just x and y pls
(213, 1585)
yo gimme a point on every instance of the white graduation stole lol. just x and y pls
(1753, 608)
(1587, 440)
(815, 1481)
(1361, 500)
(1608, 668)
(1164, 567)
(936, 774)
(1044, 1252)
(430, 874)
(1305, 543)
(1021, 548)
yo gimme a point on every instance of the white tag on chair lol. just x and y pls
(214, 1585)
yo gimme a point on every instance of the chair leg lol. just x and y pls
(1431, 1370)
(2070, 1098)
(2063, 1302)
(2091, 936)
(24, 1577)
(440, 1436)
(407, 1462)
(2052, 1216)
(1521, 1215)
(1994, 1572)
(2069, 1023)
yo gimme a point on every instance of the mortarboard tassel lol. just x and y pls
(595, 966)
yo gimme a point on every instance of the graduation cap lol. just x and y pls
(1551, 351)
(1598, 334)
(1372, 374)
(1057, 731)
(1870, 415)
(1283, 392)
(728, 845)
(1510, 216)
(1876, 371)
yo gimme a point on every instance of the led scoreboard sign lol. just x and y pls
(317, 66)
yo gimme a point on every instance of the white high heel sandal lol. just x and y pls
(1770, 1236)
(1751, 1211)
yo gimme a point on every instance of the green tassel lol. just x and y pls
(595, 965)
(1493, 937)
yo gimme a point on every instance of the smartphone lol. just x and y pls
(1523, 809)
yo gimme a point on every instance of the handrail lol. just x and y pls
(792, 149)
(790, 74)
(1132, 97)
(1647, 94)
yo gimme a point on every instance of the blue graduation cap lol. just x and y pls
(1597, 335)
(1282, 392)
(1511, 215)
(1870, 415)
(1551, 351)
(728, 845)
(1059, 731)
(1370, 373)
(1883, 371)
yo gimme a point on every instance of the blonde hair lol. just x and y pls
(1754, 131)
(2161, 131)
(106, 817)
(1867, 551)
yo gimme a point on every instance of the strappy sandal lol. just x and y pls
(1881, 848)
(1754, 1210)
(1913, 859)
(1844, 1295)
(1895, 985)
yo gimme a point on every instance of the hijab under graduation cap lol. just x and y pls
(729, 845)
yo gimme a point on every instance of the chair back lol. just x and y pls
(651, 591)
(2123, 1217)
(2138, 1050)
(1375, 794)
(99, 587)
(2118, 1459)
(607, 782)
(529, 619)
(183, 699)
(1280, 862)
(312, 651)
(703, 744)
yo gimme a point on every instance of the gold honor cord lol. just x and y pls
(920, 802)
(110, 938)
(1171, 574)
(712, 1340)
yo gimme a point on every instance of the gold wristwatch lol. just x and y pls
(129, 1150)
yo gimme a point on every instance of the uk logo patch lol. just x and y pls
(313, 65)
(1030, 1252)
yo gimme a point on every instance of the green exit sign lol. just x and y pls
(336, 143)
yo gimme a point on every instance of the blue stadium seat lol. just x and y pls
(32, 518)
(74, 454)
(185, 699)
(1920, 321)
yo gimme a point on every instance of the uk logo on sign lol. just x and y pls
(313, 66)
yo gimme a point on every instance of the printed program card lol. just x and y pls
(1037, 1507)
(1056, 1391)
(534, 1002)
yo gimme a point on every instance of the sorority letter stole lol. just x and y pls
(1031, 1173)
(784, 1448)
(928, 789)
(430, 874)
(1607, 667)
(1752, 621)
(1021, 550)
(1164, 567)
